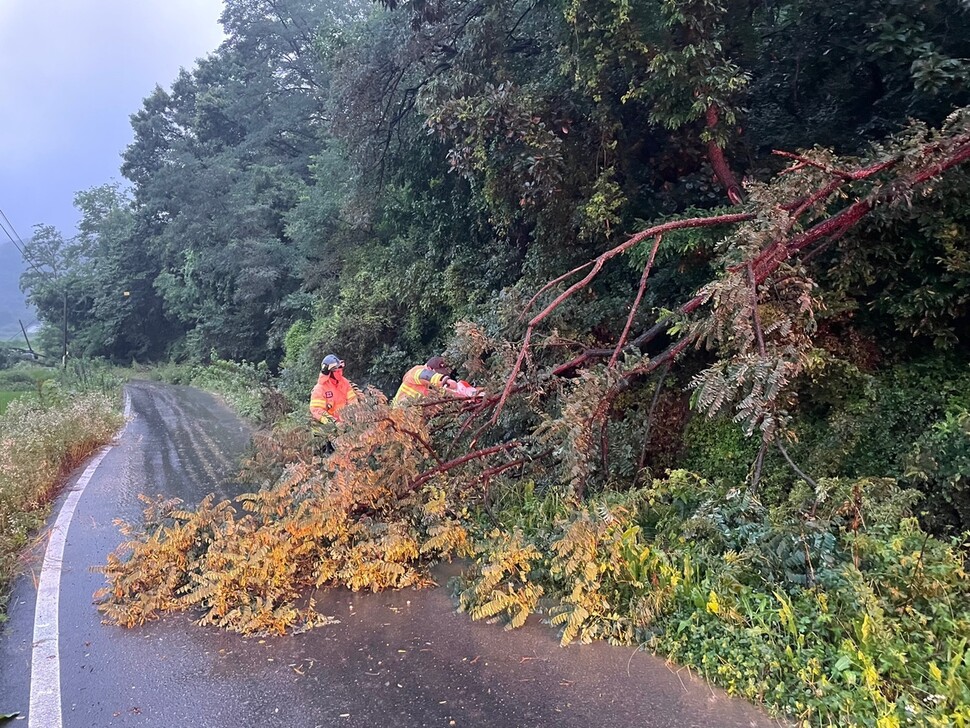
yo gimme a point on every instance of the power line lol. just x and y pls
(50, 278)
(10, 224)
(22, 247)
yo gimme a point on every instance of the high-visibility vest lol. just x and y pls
(413, 385)
(329, 396)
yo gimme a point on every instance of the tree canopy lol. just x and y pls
(360, 177)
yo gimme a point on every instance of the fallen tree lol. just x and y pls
(761, 262)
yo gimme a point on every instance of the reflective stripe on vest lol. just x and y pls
(412, 386)
(329, 396)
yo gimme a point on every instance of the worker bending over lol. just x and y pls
(435, 373)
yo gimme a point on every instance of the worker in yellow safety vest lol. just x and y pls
(332, 392)
(435, 374)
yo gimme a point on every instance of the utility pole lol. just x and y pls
(29, 347)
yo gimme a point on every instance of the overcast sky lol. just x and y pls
(71, 74)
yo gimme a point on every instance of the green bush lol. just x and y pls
(6, 398)
(872, 433)
(900, 422)
(939, 465)
(26, 378)
(719, 449)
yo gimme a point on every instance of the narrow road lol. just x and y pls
(394, 659)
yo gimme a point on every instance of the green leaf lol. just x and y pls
(843, 663)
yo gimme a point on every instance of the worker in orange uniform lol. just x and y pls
(419, 381)
(332, 392)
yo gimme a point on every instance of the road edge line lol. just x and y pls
(45, 666)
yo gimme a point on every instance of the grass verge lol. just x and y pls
(42, 438)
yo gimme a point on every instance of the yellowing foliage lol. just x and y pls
(352, 519)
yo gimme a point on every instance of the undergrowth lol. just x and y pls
(835, 607)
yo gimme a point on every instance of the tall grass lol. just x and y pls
(43, 436)
(6, 398)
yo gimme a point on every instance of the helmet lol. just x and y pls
(438, 364)
(331, 363)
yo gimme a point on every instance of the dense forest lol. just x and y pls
(711, 261)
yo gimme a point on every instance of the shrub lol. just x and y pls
(939, 464)
(718, 448)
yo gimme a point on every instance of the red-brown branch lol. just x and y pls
(551, 283)
(492, 472)
(606, 402)
(486, 477)
(588, 355)
(849, 175)
(641, 463)
(719, 162)
(762, 266)
(445, 467)
(414, 436)
(598, 263)
(482, 407)
(766, 263)
(636, 302)
(961, 156)
(823, 194)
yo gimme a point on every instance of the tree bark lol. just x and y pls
(719, 162)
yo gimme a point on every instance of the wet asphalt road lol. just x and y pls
(394, 659)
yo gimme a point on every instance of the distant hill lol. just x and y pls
(12, 303)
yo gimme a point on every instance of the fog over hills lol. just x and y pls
(12, 303)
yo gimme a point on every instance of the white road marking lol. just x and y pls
(45, 667)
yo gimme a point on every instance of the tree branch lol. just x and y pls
(414, 436)
(598, 263)
(760, 267)
(445, 467)
(636, 301)
(719, 162)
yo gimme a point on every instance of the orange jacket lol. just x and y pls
(418, 382)
(329, 395)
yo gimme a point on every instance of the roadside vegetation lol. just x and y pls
(52, 425)
(13, 383)
(708, 260)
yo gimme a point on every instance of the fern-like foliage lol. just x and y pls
(616, 583)
(763, 335)
(571, 432)
(352, 519)
(502, 586)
